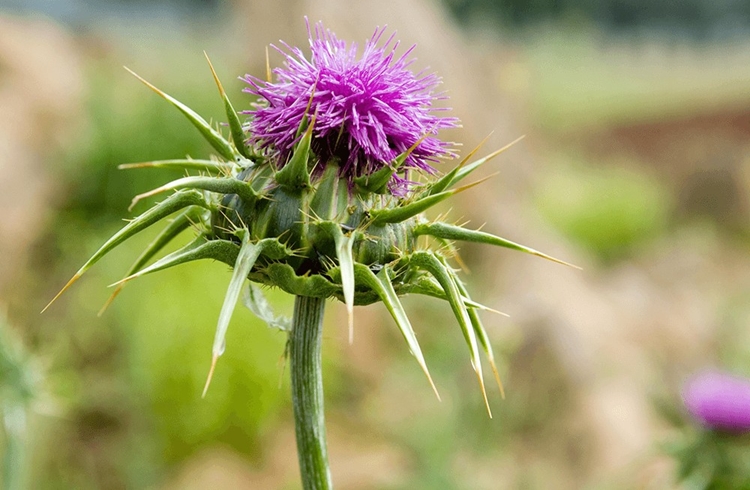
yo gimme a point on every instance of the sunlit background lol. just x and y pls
(635, 166)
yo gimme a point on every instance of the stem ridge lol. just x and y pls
(305, 346)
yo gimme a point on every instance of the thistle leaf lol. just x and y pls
(452, 232)
(180, 223)
(481, 334)
(222, 185)
(183, 164)
(246, 257)
(210, 134)
(173, 203)
(432, 264)
(381, 284)
(256, 302)
(235, 126)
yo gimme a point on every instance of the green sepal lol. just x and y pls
(222, 185)
(183, 221)
(199, 249)
(376, 182)
(330, 197)
(481, 334)
(211, 166)
(453, 232)
(295, 174)
(274, 249)
(363, 295)
(283, 276)
(440, 185)
(429, 262)
(246, 257)
(213, 137)
(402, 213)
(258, 176)
(235, 126)
(285, 216)
(327, 236)
(256, 302)
(381, 284)
(346, 264)
(462, 171)
(173, 203)
(303, 124)
(432, 264)
(445, 181)
(428, 287)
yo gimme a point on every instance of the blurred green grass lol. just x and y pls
(580, 78)
(607, 209)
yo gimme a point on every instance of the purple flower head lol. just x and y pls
(369, 110)
(719, 401)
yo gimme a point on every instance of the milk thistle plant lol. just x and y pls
(321, 192)
(711, 449)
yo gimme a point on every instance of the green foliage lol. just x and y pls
(574, 84)
(604, 208)
(170, 343)
(20, 387)
(711, 461)
(18, 378)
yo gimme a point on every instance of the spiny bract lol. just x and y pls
(286, 210)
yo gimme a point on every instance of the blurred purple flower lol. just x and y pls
(369, 110)
(719, 401)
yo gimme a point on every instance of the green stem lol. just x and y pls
(307, 392)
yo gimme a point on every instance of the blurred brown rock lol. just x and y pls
(41, 96)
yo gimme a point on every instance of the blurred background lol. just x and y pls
(635, 166)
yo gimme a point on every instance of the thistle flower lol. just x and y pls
(719, 401)
(369, 109)
(311, 196)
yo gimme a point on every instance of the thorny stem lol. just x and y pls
(307, 392)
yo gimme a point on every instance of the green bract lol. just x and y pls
(309, 232)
